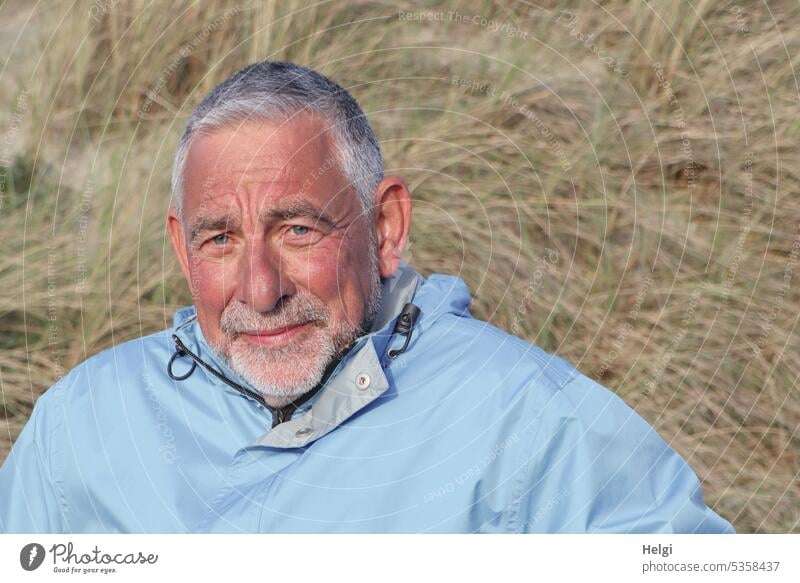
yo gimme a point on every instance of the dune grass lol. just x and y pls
(617, 183)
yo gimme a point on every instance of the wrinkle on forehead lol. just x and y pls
(264, 164)
(224, 172)
(268, 148)
(230, 179)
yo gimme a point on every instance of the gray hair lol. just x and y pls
(274, 90)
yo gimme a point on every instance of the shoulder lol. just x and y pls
(108, 373)
(607, 470)
(481, 351)
(557, 384)
(562, 400)
(93, 400)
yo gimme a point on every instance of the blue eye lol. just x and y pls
(220, 239)
(294, 227)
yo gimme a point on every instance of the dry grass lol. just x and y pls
(680, 292)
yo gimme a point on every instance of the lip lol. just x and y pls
(276, 337)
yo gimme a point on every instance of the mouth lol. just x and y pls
(277, 336)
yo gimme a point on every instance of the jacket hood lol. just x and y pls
(442, 294)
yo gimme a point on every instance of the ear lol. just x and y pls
(392, 221)
(176, 235)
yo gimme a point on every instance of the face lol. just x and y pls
(283, 264)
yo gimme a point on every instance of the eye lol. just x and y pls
(220, 239)
(302, 236)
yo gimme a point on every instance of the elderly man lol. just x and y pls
(319, 383)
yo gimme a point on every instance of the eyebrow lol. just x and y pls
(296, 209)
(219, 223)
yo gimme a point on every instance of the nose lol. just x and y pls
(261, 284)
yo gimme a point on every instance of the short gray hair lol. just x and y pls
(275, 90)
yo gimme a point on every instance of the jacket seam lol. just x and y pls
(525, 476)
(46, 456)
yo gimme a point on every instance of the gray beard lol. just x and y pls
(256, 365)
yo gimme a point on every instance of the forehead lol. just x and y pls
(258, 164)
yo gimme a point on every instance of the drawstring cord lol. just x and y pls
(279, 415)
(404, 326)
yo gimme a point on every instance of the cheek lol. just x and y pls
(211, 285)
(316, 271)
(338, 275)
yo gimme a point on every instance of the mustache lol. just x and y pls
(238, 317)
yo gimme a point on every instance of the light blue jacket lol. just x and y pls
(469, 430)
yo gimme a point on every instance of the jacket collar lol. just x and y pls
(357, 380)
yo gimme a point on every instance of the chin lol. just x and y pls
(282, 373)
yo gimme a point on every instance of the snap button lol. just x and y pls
(363, 381)
(304, 431)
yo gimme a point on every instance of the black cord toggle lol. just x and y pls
(405, 325)
(180, 352)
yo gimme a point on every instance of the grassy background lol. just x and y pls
(652, 149)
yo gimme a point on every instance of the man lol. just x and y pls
(320, 384)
